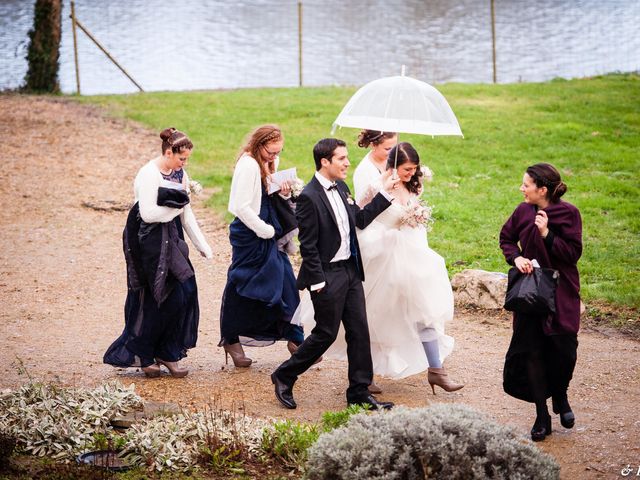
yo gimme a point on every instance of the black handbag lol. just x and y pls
(533, 293)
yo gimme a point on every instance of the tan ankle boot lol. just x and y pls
(438, 376)
(237, 355)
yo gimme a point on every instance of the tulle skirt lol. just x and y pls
(408, 297)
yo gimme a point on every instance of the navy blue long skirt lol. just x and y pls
(151, 331)
(260, 297)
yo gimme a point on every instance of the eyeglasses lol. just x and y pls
(271, 154)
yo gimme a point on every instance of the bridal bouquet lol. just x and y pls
(194, 187)
(417, 213)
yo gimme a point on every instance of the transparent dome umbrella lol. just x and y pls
(399, 104)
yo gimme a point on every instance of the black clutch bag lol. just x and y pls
(533, 293)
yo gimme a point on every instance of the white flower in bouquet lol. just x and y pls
(418, 213)
(296, 187)
(194, 187)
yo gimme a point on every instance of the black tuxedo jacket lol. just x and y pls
(319, 235)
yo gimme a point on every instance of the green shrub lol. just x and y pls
(444, 441)
(333, 420)
(44, 47)
(288, 441)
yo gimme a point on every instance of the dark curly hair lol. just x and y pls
(546, 175)
(406, 153)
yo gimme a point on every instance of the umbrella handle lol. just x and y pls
(394, 175)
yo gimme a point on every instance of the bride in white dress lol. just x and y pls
(407, 289)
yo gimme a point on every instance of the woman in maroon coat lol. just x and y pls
(542, 355)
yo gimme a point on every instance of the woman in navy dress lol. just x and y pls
(260, 297)
(542, 355)
(161, 310)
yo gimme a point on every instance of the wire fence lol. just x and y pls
(207, 44)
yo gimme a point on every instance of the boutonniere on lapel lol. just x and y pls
(350, 199)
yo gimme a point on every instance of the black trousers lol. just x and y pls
(341, 299)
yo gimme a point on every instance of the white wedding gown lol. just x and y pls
(407, 290)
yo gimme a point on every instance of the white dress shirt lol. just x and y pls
(342, 218)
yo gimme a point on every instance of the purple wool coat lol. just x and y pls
(560, 250)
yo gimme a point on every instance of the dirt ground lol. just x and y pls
(63, 285)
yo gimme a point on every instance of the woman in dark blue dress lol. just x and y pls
(161, 310)
(260, 297)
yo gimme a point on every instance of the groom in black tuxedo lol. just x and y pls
(332, 271)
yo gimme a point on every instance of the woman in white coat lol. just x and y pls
(260, 297)
(161, 310)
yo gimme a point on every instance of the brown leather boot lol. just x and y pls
(438, 376)
(237, 355)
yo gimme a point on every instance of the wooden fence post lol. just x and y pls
(300, 43)
(75, 44)
(493, 39)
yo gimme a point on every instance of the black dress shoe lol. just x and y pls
(562, 407)
(373, 403)
(541, 428)
(284, 394)
(567, 419)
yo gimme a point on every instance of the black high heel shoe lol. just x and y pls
(541, 428)
(562, 407)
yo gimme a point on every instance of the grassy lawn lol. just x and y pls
(588, 128)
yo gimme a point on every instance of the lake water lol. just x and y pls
(209, 44)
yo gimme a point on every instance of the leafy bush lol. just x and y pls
(46, 419)
(333, 420)
(288, 441)
(443, 441)
(178, 442)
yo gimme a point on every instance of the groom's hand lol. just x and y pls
(390, 182)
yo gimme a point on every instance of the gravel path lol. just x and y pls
(63, 284)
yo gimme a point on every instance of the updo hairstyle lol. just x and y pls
(373, 137)
(546, 175)
(176, 140)
(406, 153)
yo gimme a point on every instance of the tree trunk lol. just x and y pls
(44, 47)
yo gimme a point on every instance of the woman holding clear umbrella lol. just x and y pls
(374, 162)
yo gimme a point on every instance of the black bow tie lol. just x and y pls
(333, 186)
